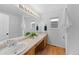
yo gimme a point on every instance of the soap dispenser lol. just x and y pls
(37, 28)
(45, 27)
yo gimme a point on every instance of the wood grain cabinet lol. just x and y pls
(45, 41)
(31, 51)
(39, 46)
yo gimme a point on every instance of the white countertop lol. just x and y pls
(23, 46)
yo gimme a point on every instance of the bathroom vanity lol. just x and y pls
(36, 44)
(23, 46)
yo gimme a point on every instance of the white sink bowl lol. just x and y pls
(13, 50)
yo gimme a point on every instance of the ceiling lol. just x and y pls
(12, 9)
(9, 8)
(47, 8)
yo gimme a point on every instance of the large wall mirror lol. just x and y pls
(14, 24)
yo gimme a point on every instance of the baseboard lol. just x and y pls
(56, 45)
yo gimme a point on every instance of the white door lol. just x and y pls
(4, 26)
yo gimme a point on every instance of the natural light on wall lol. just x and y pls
(56, 19)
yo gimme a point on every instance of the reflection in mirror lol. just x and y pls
(10, 26)
(4, 26)
(29, 24)
(16, 23)
(33, 26)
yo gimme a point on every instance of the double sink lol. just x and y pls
(18, 46)
(13, 47)
(13, 50)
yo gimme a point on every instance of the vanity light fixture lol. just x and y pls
(32, 22)
(28, 10)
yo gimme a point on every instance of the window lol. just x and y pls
(54, 23)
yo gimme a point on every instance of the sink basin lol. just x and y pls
(13, 50)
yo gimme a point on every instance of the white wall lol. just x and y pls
(55, 35)
(73, 31)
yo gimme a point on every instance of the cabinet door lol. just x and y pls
(42, 45)
(4, 26)
(31, 51)
(45, 41)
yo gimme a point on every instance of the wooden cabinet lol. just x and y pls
(38, 47)
(42, 45)
(45, 41)
(31, 51)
